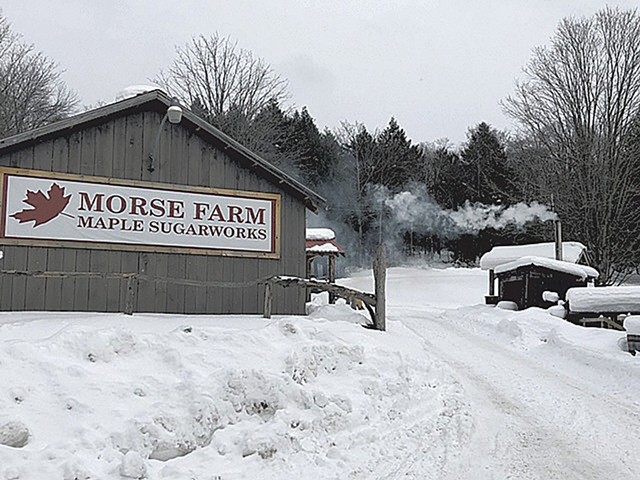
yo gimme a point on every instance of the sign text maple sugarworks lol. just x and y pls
(47, 207)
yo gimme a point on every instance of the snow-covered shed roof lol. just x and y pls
(571, 252)
(582, 271)
(604, 299)
(320, 234)
(322, 241)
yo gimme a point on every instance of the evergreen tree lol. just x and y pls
(397, 157)
(488, 177)
(313, 151)
(446, 177)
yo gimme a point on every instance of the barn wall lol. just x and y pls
(120, 148)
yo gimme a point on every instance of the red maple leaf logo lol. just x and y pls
(45, 208)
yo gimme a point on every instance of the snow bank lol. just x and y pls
(571, 252)
(604, 299)
(452, 390)
(581, 271)
(147, 397)
(320, 234)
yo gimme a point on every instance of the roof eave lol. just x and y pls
(312, 200)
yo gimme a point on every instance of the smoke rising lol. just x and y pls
(389, 217)
(417, 211)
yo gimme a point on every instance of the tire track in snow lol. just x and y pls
(531, 422)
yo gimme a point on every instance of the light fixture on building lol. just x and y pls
(174, 115)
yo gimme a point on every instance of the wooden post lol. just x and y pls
(267, 300)
(307, 292)
(633, 343)
(131, 292)
(558, 239)
(332, 276)
(380, 279)
(492, 282)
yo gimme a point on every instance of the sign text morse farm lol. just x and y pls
(46, 208)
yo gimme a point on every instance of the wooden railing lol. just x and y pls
(374, 303)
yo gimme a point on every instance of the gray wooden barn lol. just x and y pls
(128, 171)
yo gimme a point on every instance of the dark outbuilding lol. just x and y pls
(524, 281)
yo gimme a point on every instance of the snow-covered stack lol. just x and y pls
(604, 300)
(632, 326)
(557, 310)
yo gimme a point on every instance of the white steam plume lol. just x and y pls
(475, 217)
(417, 211)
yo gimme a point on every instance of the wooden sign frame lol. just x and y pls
(276, 220)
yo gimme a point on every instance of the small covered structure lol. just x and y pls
(321, 243)
(572, 252)
(523, 281)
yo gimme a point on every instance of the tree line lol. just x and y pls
(577, 148)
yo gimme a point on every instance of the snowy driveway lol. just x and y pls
(547, 399)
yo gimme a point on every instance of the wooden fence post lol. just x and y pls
(128, 308)
(267, 300)
(380, 280)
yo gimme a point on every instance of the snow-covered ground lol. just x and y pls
(453, 390)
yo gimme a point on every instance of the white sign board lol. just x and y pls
(42, 206)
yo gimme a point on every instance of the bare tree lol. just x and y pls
(579, 106)
(215, 76)
(31, 91)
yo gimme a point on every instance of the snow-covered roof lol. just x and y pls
(133, 91)
(325, 248)
(604, 299)
(571, 252)
(320, 234)
(322, 241)
(581, 271)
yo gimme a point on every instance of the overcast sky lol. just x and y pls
(437, 66)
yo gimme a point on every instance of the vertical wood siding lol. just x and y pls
(120, 148)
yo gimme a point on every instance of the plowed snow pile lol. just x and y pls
(453, 390)
(109, 398)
